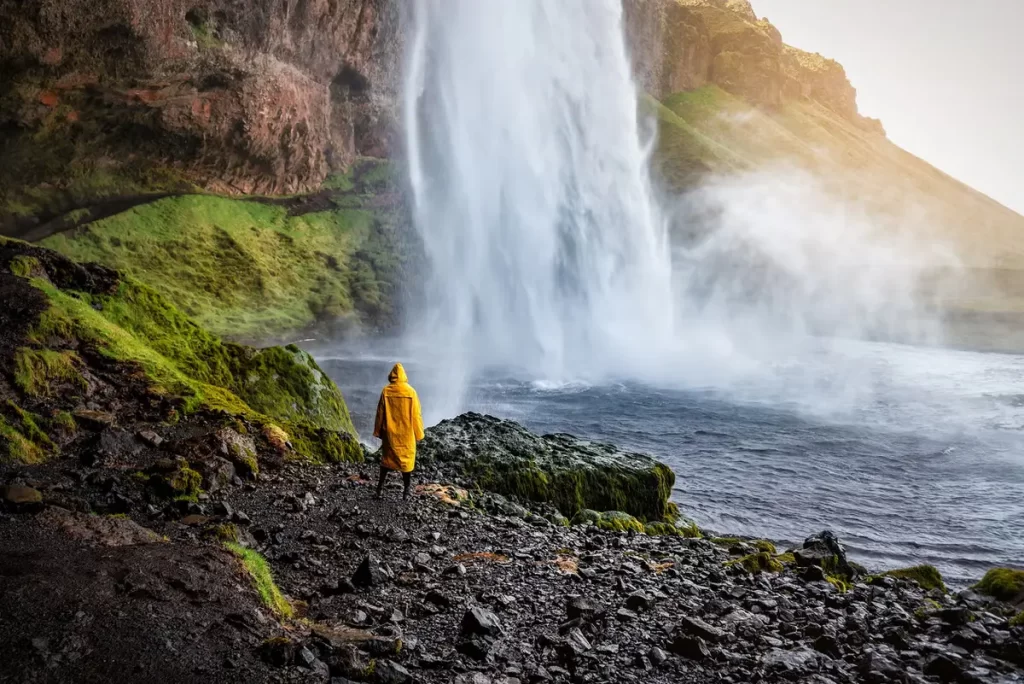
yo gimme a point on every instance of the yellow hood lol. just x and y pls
(397, 374)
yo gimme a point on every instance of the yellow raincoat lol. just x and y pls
(399, 423)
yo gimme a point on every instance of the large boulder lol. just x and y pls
(504, 457)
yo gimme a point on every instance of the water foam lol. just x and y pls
(531, 193)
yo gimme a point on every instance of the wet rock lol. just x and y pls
(796, 661)
(692, 647)
(694, 626)
(278, 652)
(368, 574)
(475, 647)
(21, 498)
(657, 656)
(438, 599)
(579, 607)
(827, 644)
(480, 621)
(389, 672)
(946, 668)
(639, 601)
(150, 438)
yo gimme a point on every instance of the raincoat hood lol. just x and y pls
(397, 374)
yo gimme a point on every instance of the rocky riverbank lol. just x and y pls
(297, 574)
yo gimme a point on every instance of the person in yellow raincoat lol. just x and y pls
(399, 425)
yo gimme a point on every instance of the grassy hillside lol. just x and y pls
(709, 131)
(259, 268)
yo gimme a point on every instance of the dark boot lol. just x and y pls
(380, 483)
(406, 481)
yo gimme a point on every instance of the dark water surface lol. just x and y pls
(924, 462)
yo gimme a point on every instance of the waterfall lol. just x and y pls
(530, 185)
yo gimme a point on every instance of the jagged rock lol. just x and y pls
(150, 437)
(368, 574)
(799, 660)
(578, 607)
(946, 668)
(389, 672)
(692, 647)
(279, 651)
(639, 600)
(694, 626)
(480, 621)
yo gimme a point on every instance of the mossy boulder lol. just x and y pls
(617, 521)
(756, 563)
(927, 576)
(1005, 584)
(66, 327)
(573, 475)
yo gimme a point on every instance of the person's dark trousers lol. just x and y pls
(406, 482)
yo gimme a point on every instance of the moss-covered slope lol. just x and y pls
(89, 343)
(260, 268)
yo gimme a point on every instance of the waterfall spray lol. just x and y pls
(531, 193)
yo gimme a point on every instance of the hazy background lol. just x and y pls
(945, 77)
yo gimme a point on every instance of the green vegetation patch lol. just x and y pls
(38, 371)
(21, 439)
(262, 579)
(504, 457)
(129, 322)
(249, 269)
(756, 563)
(927, 576)
(1005, 584)
(1018, 620)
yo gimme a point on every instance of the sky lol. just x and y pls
(946, 77)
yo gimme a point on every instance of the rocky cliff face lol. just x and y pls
(686, 44)
(261, 96)
(115, 97)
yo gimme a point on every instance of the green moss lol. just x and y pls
(840, 583)
(262, 579)
(927, 608)
(786, 558)
(24, 266)
(586, 515)
(226, 532)
(21, 439)
(136, 326)
(661, 529)
(616, 521)
(756, 563)
(927, 576)
(765, 546)
(63, 422)
(642, 493)
(36, 371)
(1018, 621)
(682, 529)
(252, 270)
(185, 483)
(1005, 584)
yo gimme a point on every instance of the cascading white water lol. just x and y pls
(531, 192)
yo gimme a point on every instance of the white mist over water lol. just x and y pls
(531, 193)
